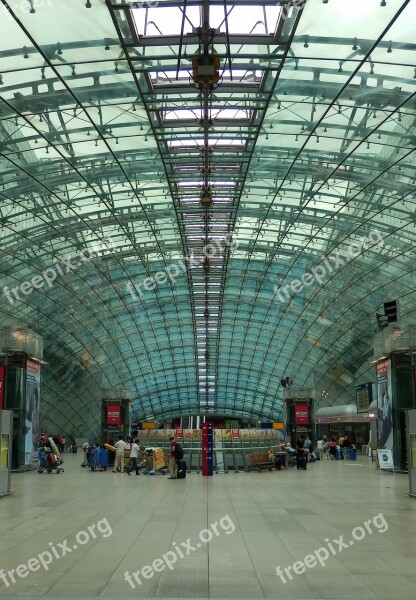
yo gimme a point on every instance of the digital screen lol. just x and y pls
(363, 396)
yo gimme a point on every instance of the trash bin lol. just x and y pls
(74, 449)
(352, 453)
(338, 455)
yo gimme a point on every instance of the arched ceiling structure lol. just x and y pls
(226, 150)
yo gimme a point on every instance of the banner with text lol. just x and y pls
(301, 414)
(113, 414)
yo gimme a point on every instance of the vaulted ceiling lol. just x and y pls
(223, 193)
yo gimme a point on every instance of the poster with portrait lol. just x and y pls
(384, 403)
(32, 411)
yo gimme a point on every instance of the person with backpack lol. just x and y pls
(173, 466)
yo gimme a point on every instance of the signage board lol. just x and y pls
(363, 396)
(301, 414)
(385, 459)
(113, 414)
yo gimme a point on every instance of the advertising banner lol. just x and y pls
(113, 414)
(301, 414)
(1, 387)
(385, 459)
(179, 434)
(32, 433)
(384, 403)
(188, 434)
(235, 434)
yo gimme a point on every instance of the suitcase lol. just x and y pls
(317, 454)
(181, 469)
(52, 462)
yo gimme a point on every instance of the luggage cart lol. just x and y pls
(155, 461)
(48, 461)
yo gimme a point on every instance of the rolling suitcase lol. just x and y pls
(181, 469)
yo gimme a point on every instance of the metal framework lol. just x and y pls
(227, 149)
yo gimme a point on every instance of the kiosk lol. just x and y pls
(21, 357)
(116, 413)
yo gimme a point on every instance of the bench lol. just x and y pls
(261, 461)
(291, 460)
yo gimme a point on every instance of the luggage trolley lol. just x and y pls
(98, 458)
(155, 461)
(49, 461)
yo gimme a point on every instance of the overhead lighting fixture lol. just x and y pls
(375, 360)
(206, 200)
(38, 360)
(205, 69)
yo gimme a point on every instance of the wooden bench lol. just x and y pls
(261, 461)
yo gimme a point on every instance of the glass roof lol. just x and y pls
(223, 193)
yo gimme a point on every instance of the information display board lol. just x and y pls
(363, 396)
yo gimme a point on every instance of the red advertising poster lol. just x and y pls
(235, 434)
(1, 387)
(179, 434)
(301, 414)
(113, 414)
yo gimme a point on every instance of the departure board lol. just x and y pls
(363, 396)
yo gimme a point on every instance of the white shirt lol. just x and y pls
(320, 444)
(120, 446)
(134, 450)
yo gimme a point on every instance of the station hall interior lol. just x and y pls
(207, 232)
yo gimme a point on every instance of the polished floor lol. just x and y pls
(217, 537)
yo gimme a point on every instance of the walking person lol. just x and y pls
(345, 448)
(173, 465)
(134, 452)
(332, 449)
(120, 446)
(320, 446)
(85, 448)
(341, 444)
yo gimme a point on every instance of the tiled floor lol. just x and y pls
(263, 520)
